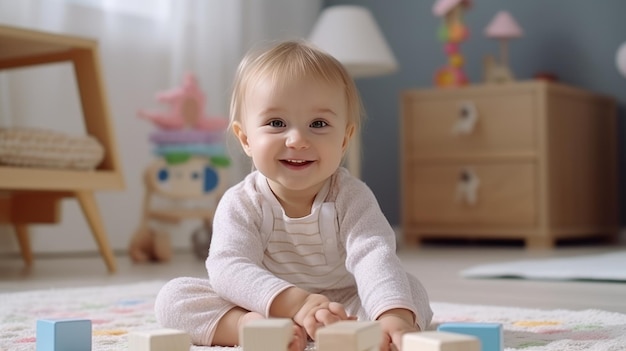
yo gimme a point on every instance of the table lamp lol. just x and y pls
(620, 59)
(350, 33)
(502, 27)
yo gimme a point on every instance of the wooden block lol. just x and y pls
(439, 341)
(490, 334)
(272, 334)
(349, 336)
(63, 335)
(159, 340)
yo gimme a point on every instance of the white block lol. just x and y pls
(272, 334)
(439, 341)
(159, 340)
(349, 336)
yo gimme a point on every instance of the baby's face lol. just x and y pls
(296, 133)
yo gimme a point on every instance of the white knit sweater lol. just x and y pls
(257, 251)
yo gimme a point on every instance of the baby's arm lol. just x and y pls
(310, 311)
(395, 323)
(387, 292)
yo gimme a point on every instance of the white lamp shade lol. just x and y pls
(351, 35)
(620, 59)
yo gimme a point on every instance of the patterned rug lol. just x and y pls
(117, 310)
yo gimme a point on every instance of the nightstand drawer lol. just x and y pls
(482, 194)
(441, 127)
(538, 164)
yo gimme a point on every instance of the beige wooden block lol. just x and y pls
(349, 336)
(159, 340)
(272, 334)
(439, 341)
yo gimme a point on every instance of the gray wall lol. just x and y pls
(575, 39)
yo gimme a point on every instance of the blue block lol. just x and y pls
(490, 334)
(63, 335)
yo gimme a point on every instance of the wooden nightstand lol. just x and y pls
(529, 160)
(32, 195)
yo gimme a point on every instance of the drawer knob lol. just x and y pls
(466, 118)
(467, 187)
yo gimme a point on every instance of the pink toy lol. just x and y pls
(187, 109)
(191, 166)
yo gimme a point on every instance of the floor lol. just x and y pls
(436, 265)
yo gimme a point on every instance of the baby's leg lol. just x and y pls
(191, 305)
(229, 326)
(232, 323)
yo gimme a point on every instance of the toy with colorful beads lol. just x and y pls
(452, 33)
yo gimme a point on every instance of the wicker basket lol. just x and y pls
(34, 147)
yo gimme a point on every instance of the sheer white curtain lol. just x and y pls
(146, 46)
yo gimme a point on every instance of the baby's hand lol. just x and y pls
(395, 323)
(319, 311)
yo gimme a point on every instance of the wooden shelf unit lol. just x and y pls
(544, 155)
(44, 188)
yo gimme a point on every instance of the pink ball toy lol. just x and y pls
(451, 48)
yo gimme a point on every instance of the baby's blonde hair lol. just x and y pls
(291, 60)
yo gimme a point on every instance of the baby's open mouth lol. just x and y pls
(296, 163)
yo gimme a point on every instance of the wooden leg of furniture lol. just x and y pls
(21, 231)
(539, 242)
(29, 207)
(90, 209)
(612, 238)
(412, 241)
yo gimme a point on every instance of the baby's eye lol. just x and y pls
(276, 123)
(318, 124)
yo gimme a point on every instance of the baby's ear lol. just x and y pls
(242, 137)
(350, 130)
